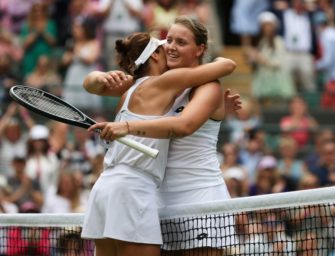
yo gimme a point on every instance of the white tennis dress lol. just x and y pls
(123, 203)
(193, 176)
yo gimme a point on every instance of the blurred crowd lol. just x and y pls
(50, 167)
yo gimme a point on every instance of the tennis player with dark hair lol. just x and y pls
(122, 215)
(193, 172)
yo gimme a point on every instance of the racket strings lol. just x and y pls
(51, 106)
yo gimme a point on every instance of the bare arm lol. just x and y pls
(10, 112)
(113, 83)
(175, 81)
(204, 102)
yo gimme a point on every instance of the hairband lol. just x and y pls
(153, 44)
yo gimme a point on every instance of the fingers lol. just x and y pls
(97, 126)
(116, 77)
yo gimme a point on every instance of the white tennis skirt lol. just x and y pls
(123, 205)
(214, 231)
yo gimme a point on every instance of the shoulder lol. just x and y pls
(213, 86)
(212, 90)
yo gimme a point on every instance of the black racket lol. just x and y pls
(52, 107)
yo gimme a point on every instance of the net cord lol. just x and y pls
(236, 205)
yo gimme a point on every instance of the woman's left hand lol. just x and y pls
(232, 102)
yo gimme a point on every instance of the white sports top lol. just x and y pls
(121, 154)
(192, 160)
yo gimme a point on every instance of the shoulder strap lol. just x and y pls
(131, 91)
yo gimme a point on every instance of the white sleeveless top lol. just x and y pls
(121, 154)
(192, 160)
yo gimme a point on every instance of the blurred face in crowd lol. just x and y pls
(288, 148)
(181, 49)
(13, 132)
(43, 64)
(268, 29)
(298, 5)
(298, 107)
(229, 152)
(78, 30)
(328, 153)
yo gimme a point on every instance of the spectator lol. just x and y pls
(271, 81)
(42, 164)
(26, 193)
(234, 174)
(320, 137)
(308, 181)
(38, 35)
(45, 77)
(300, 41)
(252, 154)
(67, 197)
(120, 18)
(79, 153)
(7, 80)
(326, 166)
(274, 228)
(289, 165)
(327, 61)
(58, 138)
(279, 5)
(298, 124)
(266, 177)
(247, 119)
(160, 15)
(5, 205)
(79, 61)
(14, 13)
(9, 46)
(71, 244)
(244, 19)
(12, 137)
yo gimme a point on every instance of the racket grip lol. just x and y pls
(139, 146)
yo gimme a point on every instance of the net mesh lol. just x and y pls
(295, 223)
(42, 101)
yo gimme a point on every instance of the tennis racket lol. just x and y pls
(52, 107)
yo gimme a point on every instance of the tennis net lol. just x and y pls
(293, 223)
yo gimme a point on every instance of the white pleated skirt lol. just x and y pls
(123, 205)
(214, 231)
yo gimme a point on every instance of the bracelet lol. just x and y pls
(128, 130)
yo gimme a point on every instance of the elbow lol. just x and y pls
(231, 66)
(184, 129)
(88, 84)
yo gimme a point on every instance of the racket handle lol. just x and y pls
(139, 146)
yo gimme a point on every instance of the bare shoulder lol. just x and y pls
(212, 89)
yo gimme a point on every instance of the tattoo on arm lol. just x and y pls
(172, 134)
(141, 133)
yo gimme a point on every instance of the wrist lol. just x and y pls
(128, 127)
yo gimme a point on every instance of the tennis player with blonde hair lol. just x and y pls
(122, 216)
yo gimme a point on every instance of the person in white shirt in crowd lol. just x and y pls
(300, 41)
(326, 64)
(121, 18)
(42, 164)
(13, 140)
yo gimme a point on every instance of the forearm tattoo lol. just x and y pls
(141, 133)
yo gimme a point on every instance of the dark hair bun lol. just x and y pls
(121, 46)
